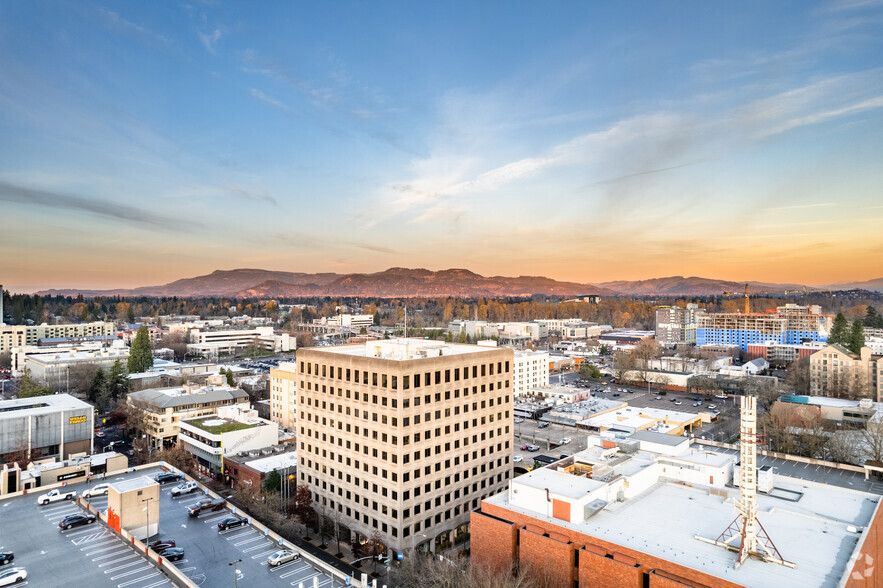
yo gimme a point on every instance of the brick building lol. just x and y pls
(641, 512)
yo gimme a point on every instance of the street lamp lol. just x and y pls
(413, 548)
(235, 571)
(147, 510)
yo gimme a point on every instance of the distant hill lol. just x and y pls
(693, 286)
(876, 285)
(392, 283)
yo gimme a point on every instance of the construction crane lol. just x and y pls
(747, 301)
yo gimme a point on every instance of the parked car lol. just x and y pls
(100, 434)
(721, 396)
(13, 576)
(282, 557)
(533, 447)
(616, 394)
(96, 490)
(517, 458)
(564, 441)
(519, 421)
(205, 504)
(712, 406)
(184, 488)
(173, 553)
(75, 520)
(542, 425)
(231, 522)
(678, 403)
(55, 496)
(161, 545)
(6, 557)
(659, 398)
(168, 477)
(524, 447)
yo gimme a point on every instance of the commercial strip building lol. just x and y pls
(12, 336)
(230, 430)
(57, 425)
(782, 354)
(644, 510)
(676, 325)
(624, 340)
(251, 467)
(55, 369)
(17, 477)
(405, 437)
(531, 371)
(283, 395)
(835, 371)
(790, 324)
(162, 409)
(214, 343)
(839, 411)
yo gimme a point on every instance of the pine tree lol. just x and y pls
(856, 337)
(117, 380)
(98, 385)
(840, 330)
(230, 381)
(140, 355)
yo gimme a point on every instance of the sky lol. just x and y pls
(143, 142)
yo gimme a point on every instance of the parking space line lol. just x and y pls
(129, 573)
(301, 567)
(104, 546)
(244, 541)
(166, 581)
(112, 554)
(78, 533)
(137, 579)
(256, 547)
(66, 505)
(214, 518)
(310, 577)
(263, 554)
(61, 515)
(119, 559)
(231, 537)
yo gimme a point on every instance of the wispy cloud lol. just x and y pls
(210, 40)
(114, 21)
(258, 95)
(800, 206)
(255, 196)
(17, 194)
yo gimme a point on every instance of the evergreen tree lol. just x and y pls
(840, 330)
(140, 355)
(28, 388)
(273, 481)
(98, 386)
(230, 381)
(117, 380)
(856, 337)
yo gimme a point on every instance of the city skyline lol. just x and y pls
(145, 143)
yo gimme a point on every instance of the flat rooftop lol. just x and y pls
(662, 420)
(267, 464)
(40, 405)
(664, 520)
(216, 425)
(406, 349)
(133, 484)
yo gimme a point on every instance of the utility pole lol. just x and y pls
(147, 509)
(235, 571)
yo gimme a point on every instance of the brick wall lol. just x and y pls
(601, 563)
(865, 571)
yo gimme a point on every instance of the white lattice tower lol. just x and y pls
(747, 504)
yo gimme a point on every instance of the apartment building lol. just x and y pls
(790, 324)
(283, 395)
(531, 371)
(835, 371)
(675, 325)
(162, 409)
(405, 437)
(22, 335)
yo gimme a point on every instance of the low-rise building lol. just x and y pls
(782, 354)
(531, 371)
(283, 395)
(214, 343)
(22, 335)
(629, 419)
(836, 371)
(353, 321)
(57, 426)
(160, 410)
(231, 430)
(55, 369)
(251, 467)
(624, 340)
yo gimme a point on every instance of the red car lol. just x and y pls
(524, 447)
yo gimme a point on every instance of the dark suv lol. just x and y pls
(168, 477)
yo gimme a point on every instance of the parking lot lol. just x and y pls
(209, 553)
(90, 555)
(95, 556)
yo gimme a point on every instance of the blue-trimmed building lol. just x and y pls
(789, 325)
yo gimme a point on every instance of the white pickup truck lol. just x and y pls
(56, 495)
(183, 488)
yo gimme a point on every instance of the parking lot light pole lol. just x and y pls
(235, 571)
(147, 509)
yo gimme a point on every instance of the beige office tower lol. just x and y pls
(404, 437)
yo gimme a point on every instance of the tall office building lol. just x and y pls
(283, 395)
(405, 437)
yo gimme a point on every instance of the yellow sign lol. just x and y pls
(77, 420)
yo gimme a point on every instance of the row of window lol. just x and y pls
(406, 402)
(392, 381)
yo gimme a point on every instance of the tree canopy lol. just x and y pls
(141, 354)
(839, 331)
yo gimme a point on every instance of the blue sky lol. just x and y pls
(141, 142)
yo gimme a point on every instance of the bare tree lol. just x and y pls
(844, 447)
(872, 440)
(798, 375)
